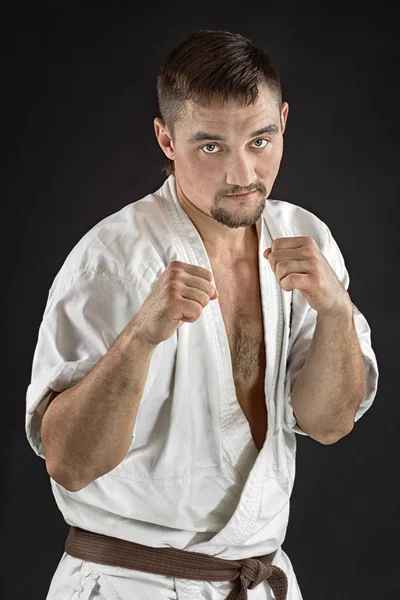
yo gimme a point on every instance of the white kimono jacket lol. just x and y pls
(192, 478)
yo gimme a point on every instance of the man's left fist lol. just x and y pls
(298, 263)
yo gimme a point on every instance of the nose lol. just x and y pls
(240, 171)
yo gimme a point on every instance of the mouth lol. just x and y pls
(241, 196)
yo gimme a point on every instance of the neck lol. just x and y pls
(248, 249)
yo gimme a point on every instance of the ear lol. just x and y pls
(284, 115)
(164, 138)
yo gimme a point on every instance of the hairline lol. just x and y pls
(223, 99)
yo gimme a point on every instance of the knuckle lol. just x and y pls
(205, 299)
(311, 243)
(173, 293)
(174, 268)
(173, 264)
(205, 273)
(282, 267)
(175, 273)
(309, 251)
(173, 287)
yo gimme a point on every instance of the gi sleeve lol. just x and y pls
(84, 314)
(302, 330)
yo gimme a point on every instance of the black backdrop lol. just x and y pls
(78, 144)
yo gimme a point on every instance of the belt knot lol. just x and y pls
(254, 571)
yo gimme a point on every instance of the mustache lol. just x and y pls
(239, 190)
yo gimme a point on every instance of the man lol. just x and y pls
(186, 340)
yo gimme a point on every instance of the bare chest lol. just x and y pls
(240, 302)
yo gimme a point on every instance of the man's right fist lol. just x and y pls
(179, 296)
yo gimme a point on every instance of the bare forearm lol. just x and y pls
(331, 385)
(87, 429)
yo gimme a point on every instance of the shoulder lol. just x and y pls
(123, 246)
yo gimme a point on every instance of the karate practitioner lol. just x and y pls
(185, 341)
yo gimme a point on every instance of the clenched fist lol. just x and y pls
(179, 296)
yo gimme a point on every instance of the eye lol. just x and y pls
(261, 140)
(209, 146)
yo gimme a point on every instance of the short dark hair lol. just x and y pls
(209, 64)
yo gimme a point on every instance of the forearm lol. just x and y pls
(331, 385)
(87, 429)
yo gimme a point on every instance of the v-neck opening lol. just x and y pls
(236, 436)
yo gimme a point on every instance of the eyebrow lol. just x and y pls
(201, 136)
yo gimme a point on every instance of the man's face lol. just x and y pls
(230, 149)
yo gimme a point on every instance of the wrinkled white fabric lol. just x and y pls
(192, 477)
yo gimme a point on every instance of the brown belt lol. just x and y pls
(247, 572)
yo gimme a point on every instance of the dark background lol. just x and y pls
(79, 85)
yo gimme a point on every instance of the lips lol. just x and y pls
(240, 195)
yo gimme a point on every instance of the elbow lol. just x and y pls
(71, 487)
(334, 436)
(62, 479)
(68, 485)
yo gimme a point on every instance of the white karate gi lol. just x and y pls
(192, 477)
